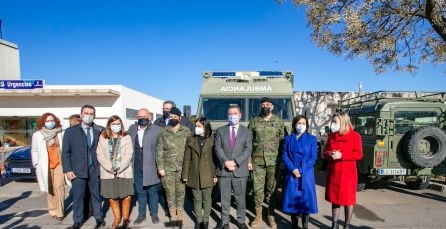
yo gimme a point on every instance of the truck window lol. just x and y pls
(408, 120)
(216, 109)
(364, 125)
(282, 108)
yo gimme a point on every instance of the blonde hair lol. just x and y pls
(346, 124)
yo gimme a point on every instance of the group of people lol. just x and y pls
(170, 153)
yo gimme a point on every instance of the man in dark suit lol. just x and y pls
(81, 166)
(163, 121)
(233, 147)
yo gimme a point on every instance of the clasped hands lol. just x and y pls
(230, 165)
(335, 154)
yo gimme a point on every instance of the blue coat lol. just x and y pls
(299, 194)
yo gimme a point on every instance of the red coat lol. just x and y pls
(342, 177)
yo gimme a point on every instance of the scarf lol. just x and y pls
(50, 135)
(114, 148)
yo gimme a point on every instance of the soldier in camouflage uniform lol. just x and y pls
(169, 159)
(268, 132)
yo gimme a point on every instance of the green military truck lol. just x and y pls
(403, 138)
(219, 89)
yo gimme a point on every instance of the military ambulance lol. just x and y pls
(403, 136)
(219, 89)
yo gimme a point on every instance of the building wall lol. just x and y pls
(319, 107)
(9, 61)
(22, 110)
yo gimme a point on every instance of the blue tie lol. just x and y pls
(90, 160)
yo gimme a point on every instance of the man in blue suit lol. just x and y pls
(81, 166)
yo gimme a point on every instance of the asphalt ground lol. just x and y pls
(382, 205)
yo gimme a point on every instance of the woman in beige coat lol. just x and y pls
(114, 153)
(46, 148)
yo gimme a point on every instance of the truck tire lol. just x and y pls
(426, 146)
(419, 184)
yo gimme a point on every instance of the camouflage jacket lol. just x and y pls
(267, 137)
(170, 148)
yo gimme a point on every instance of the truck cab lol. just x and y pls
(219, 89)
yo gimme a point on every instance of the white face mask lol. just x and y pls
(334, 127)
(87, 119)
(199, 131)
(116, 128)
(233, 120)
(50, 125)
(300, 128)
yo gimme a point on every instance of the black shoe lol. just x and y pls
(155, 219)
(334, 225)
(100, 223)
(242, 226)
(204, 225)
(75, 226)
(139, 219)
(346, 226)
(197, 225)
(222, 226)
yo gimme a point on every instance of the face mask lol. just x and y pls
(233, 120)
(116, 128)
(173, 122)
(50, 125)
(334, 127)
(143, 121)
(87, 119)
(199, 131)
(265, 111)
(166, 114)
(300, 128)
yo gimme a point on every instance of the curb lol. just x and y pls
(437, 187)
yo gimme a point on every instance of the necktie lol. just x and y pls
(90, 160)
(233, 137)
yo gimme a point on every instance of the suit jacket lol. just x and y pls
(75, 150)
(149, 140)
(240, 153)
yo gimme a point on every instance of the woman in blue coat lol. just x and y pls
(299, 155)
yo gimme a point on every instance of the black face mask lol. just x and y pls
(166, 114)
(143, 121)
(173, 122)
(265, 111)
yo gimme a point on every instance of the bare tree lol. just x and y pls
(391, 34)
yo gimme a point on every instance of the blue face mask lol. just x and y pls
(50, 125)
(233, 120)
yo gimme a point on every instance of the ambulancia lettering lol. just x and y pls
(264, 88)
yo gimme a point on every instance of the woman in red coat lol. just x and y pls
(342, 150)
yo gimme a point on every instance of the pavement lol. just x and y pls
(382, 205)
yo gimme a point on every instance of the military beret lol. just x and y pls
(175, 111)
(266, 100)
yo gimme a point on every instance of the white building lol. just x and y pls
(9, 61)
(20, 108)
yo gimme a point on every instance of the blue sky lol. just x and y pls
(162, 47)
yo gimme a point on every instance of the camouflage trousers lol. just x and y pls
(174, 188)
(265, 175)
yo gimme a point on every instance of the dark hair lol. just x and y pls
(42, 119)
(107, 132)
(88, 106)
(296, 119)
(207, 126)
(235, 106)
(170, 102)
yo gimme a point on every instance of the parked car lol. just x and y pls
(18, 164)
